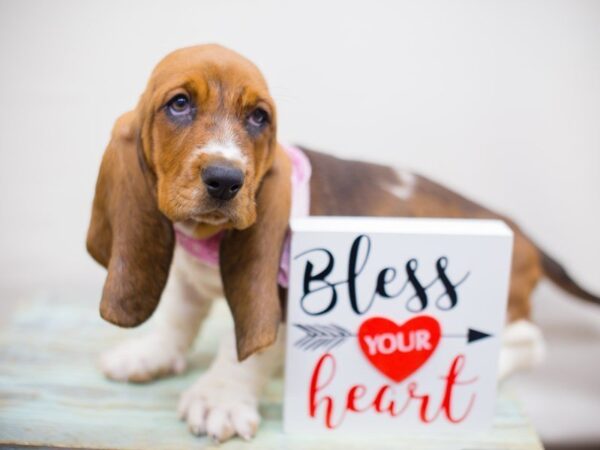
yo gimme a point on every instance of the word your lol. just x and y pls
(387, 343)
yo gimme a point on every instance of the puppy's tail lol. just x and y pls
(559, 275)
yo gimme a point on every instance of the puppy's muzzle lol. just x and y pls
(222, 182)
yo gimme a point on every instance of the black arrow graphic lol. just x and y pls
(330, 336)
(475, 335)
(471, 336)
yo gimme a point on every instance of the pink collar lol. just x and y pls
(207, 250)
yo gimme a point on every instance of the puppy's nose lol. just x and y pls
(222, 182)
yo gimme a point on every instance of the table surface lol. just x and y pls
(53, 395)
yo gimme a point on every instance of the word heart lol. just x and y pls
(391, 400)
(399, 351)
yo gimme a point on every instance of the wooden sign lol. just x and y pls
(394, 325)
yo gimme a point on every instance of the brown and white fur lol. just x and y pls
(154, 175)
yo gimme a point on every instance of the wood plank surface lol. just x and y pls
(53, 395)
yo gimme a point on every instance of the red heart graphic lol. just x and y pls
(395, 350)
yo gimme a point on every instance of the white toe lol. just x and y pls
(245, 421)
(196, 417)
(218, 425)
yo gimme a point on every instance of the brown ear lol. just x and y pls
(128, 234)
(249, 262)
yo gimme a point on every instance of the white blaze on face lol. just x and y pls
(227, 150)
(224, 144)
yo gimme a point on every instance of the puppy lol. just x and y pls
(195, 193)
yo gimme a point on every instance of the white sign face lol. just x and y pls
(394, 325)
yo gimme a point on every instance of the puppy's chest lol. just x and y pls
(205, 279)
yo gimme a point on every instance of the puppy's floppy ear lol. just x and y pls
(250, 260)
(128, 234)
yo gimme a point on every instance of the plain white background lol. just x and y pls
(499, 100)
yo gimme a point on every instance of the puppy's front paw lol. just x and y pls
(143, 359)
(220, 408)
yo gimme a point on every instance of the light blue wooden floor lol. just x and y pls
(51, 393)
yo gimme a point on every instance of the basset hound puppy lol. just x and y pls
(195, 193)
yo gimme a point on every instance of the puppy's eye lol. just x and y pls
(258, 118)
(179, 105)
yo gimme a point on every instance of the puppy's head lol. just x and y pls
(209, 134)
(200, 148)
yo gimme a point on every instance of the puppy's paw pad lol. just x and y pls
(143, 359)
(220, 409)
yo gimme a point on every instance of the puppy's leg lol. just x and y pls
(163, 350)
(224, 400)
(522, 348)
(522, 342)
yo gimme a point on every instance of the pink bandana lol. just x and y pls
(207, 250)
